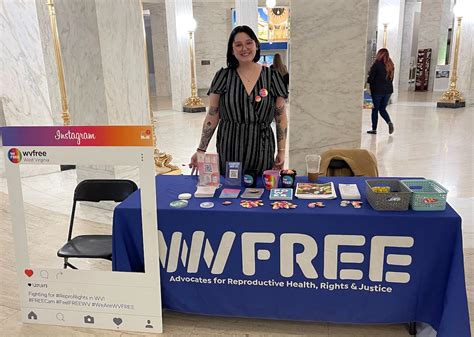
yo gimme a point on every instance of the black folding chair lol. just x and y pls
(94, 246)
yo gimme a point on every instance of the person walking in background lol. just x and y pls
(381, 88)
(281, 68)
(244, 99)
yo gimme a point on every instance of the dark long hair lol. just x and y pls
(383, 55)
(231, 59)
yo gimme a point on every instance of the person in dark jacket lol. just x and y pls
(381, 87)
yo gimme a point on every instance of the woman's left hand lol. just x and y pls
(279, 161)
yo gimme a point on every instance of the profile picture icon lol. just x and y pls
(14, 155)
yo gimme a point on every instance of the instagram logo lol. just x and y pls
(14, 155)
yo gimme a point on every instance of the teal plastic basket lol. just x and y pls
(427, 195)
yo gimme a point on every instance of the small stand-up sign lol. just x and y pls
(233, 174)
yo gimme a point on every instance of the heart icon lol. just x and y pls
(29, 284)
(29, 272)
(117, 321)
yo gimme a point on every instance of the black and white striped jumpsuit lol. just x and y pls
(244, 133)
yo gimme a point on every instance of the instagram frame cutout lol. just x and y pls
(86, 298)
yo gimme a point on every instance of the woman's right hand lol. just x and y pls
(193, 165)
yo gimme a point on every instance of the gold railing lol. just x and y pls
(66, 117)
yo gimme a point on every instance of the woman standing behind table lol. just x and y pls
(244, 99)
(381, 88)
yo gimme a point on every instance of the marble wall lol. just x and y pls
(177, 14)
(3, 122)
(24, 94)
(371, 34)
(445, 24)
(23, 85)
(433, 31)
(104, 57)
(406, 58)
(159, 36)
(214, 24)
(326, 81)
(104, 61)
(246, 13)
(123, 55)
(465, 72)
(82, 60)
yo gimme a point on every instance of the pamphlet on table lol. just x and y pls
(315, 191)
(281, 194)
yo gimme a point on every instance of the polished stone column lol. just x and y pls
(212, 34)
(327, 80)
(391, 12)
(433, 32)
(247, 13)
(407, 41)
(178, 13)
(465, 82)
(159, 36)
(24, 95)
(105, 64)
(371, 34)
(104, 57)
(24, 88)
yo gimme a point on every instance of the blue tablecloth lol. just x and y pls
(335, 264)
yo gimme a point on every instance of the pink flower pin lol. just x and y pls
(258, 99)
(263, 92)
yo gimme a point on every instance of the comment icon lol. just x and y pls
(60, 316)
(44, 274)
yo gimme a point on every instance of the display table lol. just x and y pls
(335, 264)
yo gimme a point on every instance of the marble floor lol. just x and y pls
(429, 142)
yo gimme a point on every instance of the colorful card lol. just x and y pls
(281, 194)
(229, 193)
(252, 193)
(208, 168)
